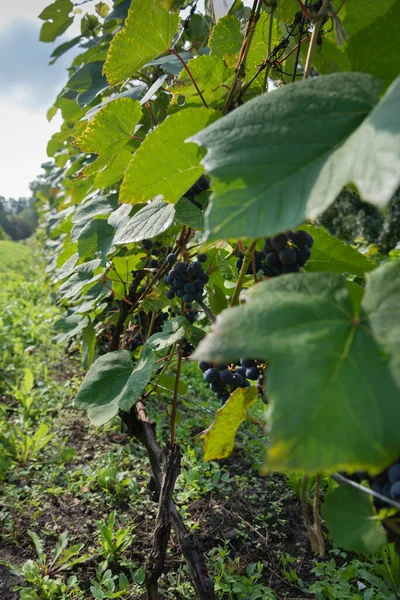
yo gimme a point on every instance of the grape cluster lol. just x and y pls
(387, 483)
(285, 253)
(186, 281)
(156, 252)
(137, 335)
(224, 379)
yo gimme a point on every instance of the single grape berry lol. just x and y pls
(394, 473)
(241, 371)
(189, 288)
(203, 365)
(203, 277)
(147, 244)
(199, 286)
(272, 260)
(239, 263)
(211, 375)
(237, 380)
(170, 294)
(197, 296)
(173, 274)
(279, 242)
(395, 491)
(202, 258)
(224, 398)
(226, 376)
(178, 283)
(216, 387)
(153, 263)
(252, 373)
(303, 254)
(181, 267)
(171, 259)
(287, 256)
(247, 363)
(188, 298)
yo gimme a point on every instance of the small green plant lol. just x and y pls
(234, 585)
(107, 585)
(45, 575)
(113, 542)
(19, 446)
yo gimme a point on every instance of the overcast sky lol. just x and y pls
(28, 88)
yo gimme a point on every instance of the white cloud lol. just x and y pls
(25, 134)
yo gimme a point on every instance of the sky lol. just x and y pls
(29, 87)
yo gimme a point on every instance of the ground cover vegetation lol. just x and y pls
(181, 215)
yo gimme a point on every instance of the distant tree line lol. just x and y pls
(18, 218)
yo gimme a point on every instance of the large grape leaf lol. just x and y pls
(148, 32)
(351, 518)
(110, 130)
(335, 405)
(380, 58)
(69, 326)
(84, 275)
(57, 20)
(151, 220)
(226, 37)
(113, 383)
(96, 238)
(164, 164)
(382, 301)
(285, 156)
(331, 254)
(212, 77)
(219, 438)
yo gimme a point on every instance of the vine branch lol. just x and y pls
(248, 256)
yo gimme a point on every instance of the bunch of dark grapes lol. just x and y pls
(141, 322)
(157, 252)
(224, 379)
(285, 253)
(186, 281)
(386, 483)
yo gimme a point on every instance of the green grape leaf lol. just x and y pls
(110, 130)
(98, 206)
(226, 37)
(382, 302)
(325, 367)
(380, 58)
(219, 438)
(331, 254)
(89, 81)
(114, 171)
(172, 331)
(164, 164)
(68, 327)
(212, 77)
(150, 221)
(113, 383)
(187, 213)
(148, 32)
(351, 519)
(84, 276)
(337, 127)
(57, 20)
(95, 238)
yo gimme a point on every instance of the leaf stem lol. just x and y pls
(190, 75)
(248, 256)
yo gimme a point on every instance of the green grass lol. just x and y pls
(15, 258)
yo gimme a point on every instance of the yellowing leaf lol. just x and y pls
(148, 32)
(219, 438)
(109, 132)
(164, 164)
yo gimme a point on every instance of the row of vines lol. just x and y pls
(179, 210)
